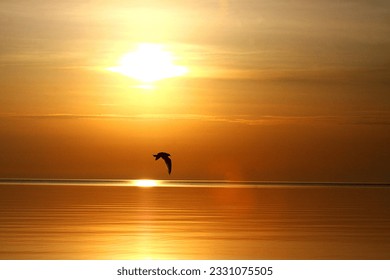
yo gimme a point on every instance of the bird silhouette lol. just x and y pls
(165, 157)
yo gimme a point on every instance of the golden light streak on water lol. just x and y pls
(145, 183)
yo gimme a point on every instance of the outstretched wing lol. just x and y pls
(168, 162)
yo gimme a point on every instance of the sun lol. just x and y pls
(149, 63)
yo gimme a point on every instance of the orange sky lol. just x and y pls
(275, 90)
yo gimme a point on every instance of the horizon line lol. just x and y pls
(198, 181)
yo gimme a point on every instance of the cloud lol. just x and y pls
(362, 118)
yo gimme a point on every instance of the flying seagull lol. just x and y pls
(165, 157)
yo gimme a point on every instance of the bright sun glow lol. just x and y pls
(149, 63)
(145, 183)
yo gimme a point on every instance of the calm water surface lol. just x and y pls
(193, 220)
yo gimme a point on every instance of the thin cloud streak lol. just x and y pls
(366, 118)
